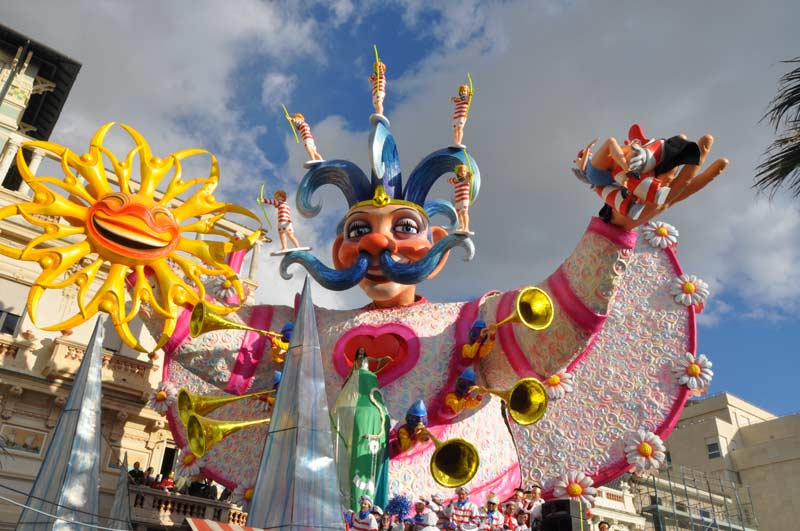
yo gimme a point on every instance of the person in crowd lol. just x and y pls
(385, 522)
(534, 507)
(149, 477)
(364, 520)
(135, 475)
(463, 513)
(523, 520)
(167, 484)
(492, 519)
(510, 515)
(603, 526)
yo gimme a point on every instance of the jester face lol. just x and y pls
(131, 228)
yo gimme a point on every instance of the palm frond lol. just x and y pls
(781, 166)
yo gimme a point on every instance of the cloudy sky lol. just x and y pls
(549, 76)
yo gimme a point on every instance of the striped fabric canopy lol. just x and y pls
(198, 524)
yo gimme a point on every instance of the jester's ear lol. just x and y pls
(437, 233)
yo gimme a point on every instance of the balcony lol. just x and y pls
(158, 508)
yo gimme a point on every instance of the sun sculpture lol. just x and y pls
(132, 228)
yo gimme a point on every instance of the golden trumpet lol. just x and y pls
(189, 402)
(203, 433)
(454, 462)
(526, 400)
(204, 320)
(532, 308)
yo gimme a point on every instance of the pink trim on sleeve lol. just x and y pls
(581, 315)
(514, 354)
(612, 233)
(251, 351)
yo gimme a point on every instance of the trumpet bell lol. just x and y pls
(534, 308)
(203, 320)
(203, 433)
(527, 401)
(454, 463)
(189, 402)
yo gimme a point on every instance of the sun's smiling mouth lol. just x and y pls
(128, 237)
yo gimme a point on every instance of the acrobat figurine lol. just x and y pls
(285, 229)
(281, 345)
(460, 114)
(625, 176)
(409, 433)
(462, 196)
(378, 81)
(310, 146)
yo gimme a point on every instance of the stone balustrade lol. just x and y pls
(151, 507)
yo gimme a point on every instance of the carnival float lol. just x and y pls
(566, 383)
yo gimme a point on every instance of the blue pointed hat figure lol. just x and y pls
(67, 483)
(384, 187)
(417, 414)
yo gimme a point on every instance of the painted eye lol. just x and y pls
(357, 228)
(406, 226)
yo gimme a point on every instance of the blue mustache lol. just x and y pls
(413, 273)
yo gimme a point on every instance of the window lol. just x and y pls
(713, 450)
(668, 457)
(8, 322)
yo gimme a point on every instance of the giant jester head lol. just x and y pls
(386, 242)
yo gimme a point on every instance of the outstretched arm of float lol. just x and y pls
(582, 288)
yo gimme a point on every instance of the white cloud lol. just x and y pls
(277, 88)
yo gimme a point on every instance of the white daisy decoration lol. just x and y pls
(164, 396)
(242, 494)
(659, 234)
(221, 288)
(575, 485)
(645, 450)
(694, 372)
(188, 464)
(689, 290)
(558, 385)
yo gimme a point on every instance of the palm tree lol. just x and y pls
(782, 163)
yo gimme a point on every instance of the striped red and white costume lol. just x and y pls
(368, 523)
(461, 193)
(465, 514)
(492, 520)
(305, 132)
(460, 111)
(284, 214)
(378, 85)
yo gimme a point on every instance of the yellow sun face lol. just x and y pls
(137, 234)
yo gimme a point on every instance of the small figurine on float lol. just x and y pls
(285, 229)
(481, 340)
(298, 121)
(281, 345)
(461, 112)
(462, 197)
(625, 176)
(378, 81)
(408, 434)
(463, 396)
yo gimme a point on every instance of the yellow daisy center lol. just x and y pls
(248, 494)
(554, 380)
(574, 489)
(188, 459)
(662, 231)
(161, 396)
(645, 449)
(689, 288)
(227, 284)
(693, 370)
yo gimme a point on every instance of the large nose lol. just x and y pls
(375, 242)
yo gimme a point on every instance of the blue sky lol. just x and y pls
(549, 76)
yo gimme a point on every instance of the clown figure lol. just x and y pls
(462, 196)
(460, 113)
(285, 229)
(299, 121)
(378, 81)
